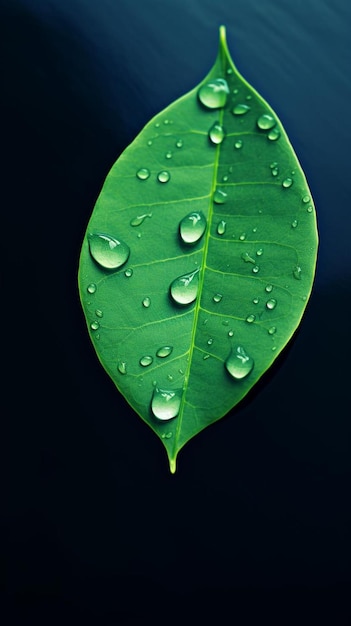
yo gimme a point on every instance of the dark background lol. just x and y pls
(255, 526)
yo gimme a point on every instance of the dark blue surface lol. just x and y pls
(256, 523)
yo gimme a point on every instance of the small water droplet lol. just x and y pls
(242, 237)
(149, 143)
(297, 272)
(266, 121)
(95, 325)
(229, 70)
(166, 122)
(255, 300)
(294, 224)
(165, 404)
(214, 95)
(274, 134)
(221, 227)
(268, 288)
(192, 227)
(169, 377)
(274, 169)
(145, 361)
(163, 176)
(271, 304)
(122, 367)
(239, 364)
(238, 144)
(225, 322)
(272, 330)
(136, 221)
(250, 318)
(235, 91)
(179, 143)
(146, 302)
(247, 258)
(91, 288)
(217, 297)
(216, 133)
(184, 288)
(230, 333)
(167, 435)
(219, 196)
(225, 178)
(129, 272)
(168, 155)
(254, 230)
(157, 125)
(143, 173)
(210, 341)
(287, 182)
(255, 269)
(241, 109)
(108, 252)
(259, 252)
(99, 313)
(164, 351)
(306, 199)
(309, 209)
(206, 356)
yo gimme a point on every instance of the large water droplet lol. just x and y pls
(163, 177)
(184, 288)
(214, 95)
(239, 364)
(146, 360)
(241, 109)
(221, 227)
(219, 196)
(268, 288)
(164, 351)
(146, 302)
(271, 304)
(192, 227)
(287, 182)
(107, 251)
(274, 134)
(91, 288)
(165, 404)
(136, 221)
(95, 325)
(216, 133)
(265, 121)
(143, 173)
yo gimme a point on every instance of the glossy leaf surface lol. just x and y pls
(199, 256)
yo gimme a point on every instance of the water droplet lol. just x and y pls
(259, 252)
(149, 143)
(129, 272)
(247, 258)
(143, 173)
(216, 133)
(107, 251)
(146, 302)
(169, 377)
(306, 199)
(274, 169)
(309, 209)
(242, 237)
(255, 269)
(165, 403)
(268, 288)
(294, 224)
(99, 313)
(255, 300)
(179, 143)
(166, 121)
(250, 318)
(225, 322)
(229, 70)
(230, 333)
(297, 272)
(95, 325)
(239, 364)
(122, 367)
(265, 121)
(221, 227)
(238, 144)
(271, 304)
(184, 288)
(287, 182)
(167, 435)
(210, 342)
(272, 330)
(206, 356)
(219, 196)
(241, 109)
(225, 178)
(274, 134)
(192, 227)
(163, 176)
(91, 288)
(136, 221)
(235, 91)
(145, 361)
(217, 297)
(168, 155)
(214, 95)
(164, 351)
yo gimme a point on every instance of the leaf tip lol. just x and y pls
(173, 465)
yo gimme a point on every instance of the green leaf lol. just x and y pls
(199, 256)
